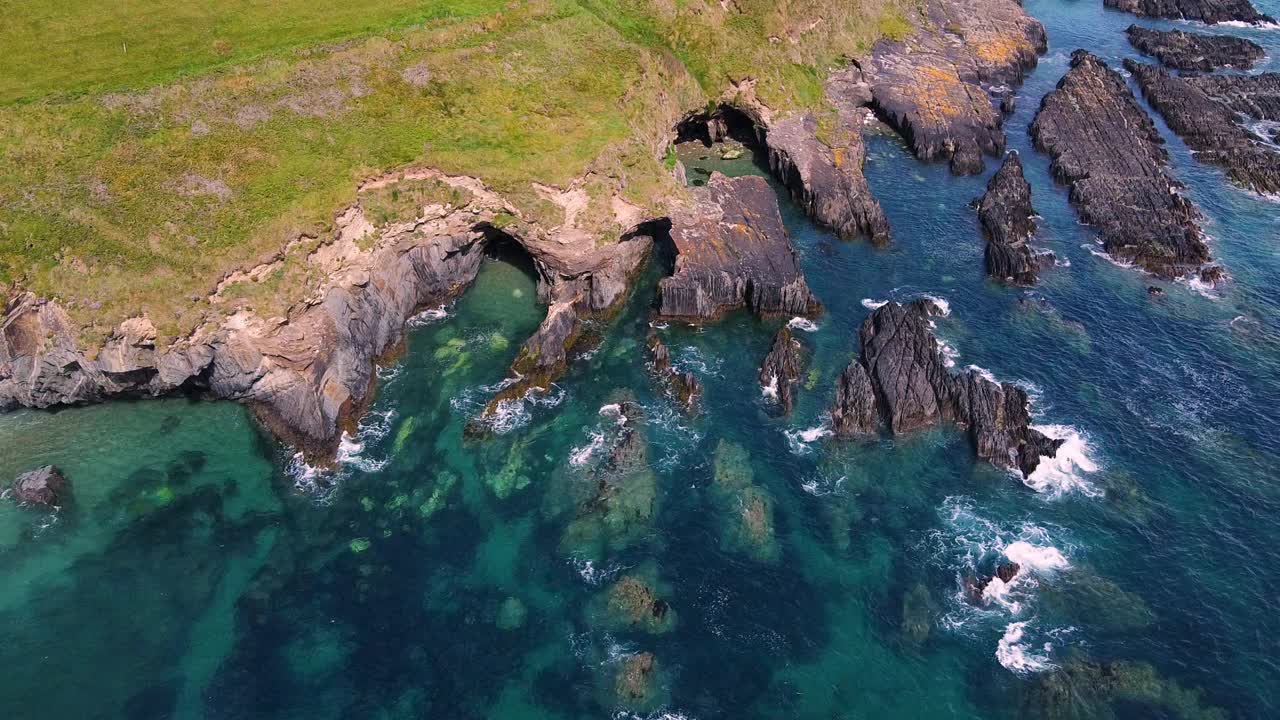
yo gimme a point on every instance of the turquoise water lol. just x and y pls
(205, 573)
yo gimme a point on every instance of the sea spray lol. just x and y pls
(1064, 472)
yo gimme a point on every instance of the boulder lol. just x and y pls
(44, 487)
(1006, 216)
(1106, 149)
(732, 251)
(1184, 50)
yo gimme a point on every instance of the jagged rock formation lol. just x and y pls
(733, 252)
(782, 368)
(1206, 11)
(1107, 150)
(1005, 213)
(826, 179)
(936, 87)
(901, 378)
(1209, 126)
(1184, 50)
(1257, 96)
(310, 372)
(682, 386)
(43, 487)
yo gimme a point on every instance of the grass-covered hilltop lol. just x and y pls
(152, 150)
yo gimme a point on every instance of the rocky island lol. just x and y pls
(1105, 148)
(1184, 50)
(1006, 216)
(1206, 11)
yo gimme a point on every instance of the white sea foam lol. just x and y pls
(1096, 252)
(870, 304)
(800, 440)
(1035, 558)
(1064, 472)
(430, 316)
(614, 410)
(593, 575)
(580, 455)
(1200, 287)
(944, 307)
(655, 715)
(771, 390)
(691, 359)
(984, 373)
(799, 323)
(820, 485)
(949, 353)
(1016, 655)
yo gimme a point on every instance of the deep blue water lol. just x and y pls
(203, 573)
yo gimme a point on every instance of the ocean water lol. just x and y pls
(204, 572)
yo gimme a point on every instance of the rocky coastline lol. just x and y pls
(1210, 12)
(1182, 50)
(1105, 148)
(900, 380)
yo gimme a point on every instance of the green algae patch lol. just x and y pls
(402, 434)
(359, 545)
(746, 509)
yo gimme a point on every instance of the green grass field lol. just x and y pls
(149, 148)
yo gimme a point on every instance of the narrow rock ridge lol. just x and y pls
(1107, 150)
(901, 379)
(309, 374)
(1184, 50)
(732, 251)
(1006, 216)
(683, 387)
(1206, 11)
(782, 369)
(1211, 128)
(940, 87)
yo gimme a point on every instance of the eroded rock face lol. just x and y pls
(1210, 126)
(936, 87)
(782, 369)
(683, 387)
(733, 252)
(1106, 149)
(912, 389)
(1006, 216)
(826, 180)
(44, 487)
(1184, 50)
(1206, 11)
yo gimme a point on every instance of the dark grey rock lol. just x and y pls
(1184, 50)
(43, 487)
(1105, 148)
(1209, 126)
(855, 412)
(1006, 215)
(782, 369)
(683, 387)
(1206, 11)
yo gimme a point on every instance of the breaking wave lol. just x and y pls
(1064, 472)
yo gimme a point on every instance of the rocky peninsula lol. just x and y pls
(1201, 52)
(1210, 12)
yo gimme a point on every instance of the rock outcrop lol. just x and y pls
(1184, 50)
(310, 372)
(1209, 126)
(1107, 150)
(825, 177)
(1006, 216)
(44, 487)
(733, 252)
(1206, 11)
(912, 389)
(782, 369)
(940, 87)
(683, 387)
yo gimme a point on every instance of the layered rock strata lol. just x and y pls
(1209, 126)
(1006, 216)
(1206, 11)
(901, 380)
(733, 252)
(1106, 149)
(782, 369)
(941, 88)
(683, 387)
(1184, 50)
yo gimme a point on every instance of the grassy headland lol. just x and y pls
(149, 151)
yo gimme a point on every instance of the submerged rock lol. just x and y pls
(1006, 216)
(1206, 11)
(733, 252)
(511, 614)
(1082, 689)
(746, 508)
(44, 487)
(782, 369)
(683, 387)
(825, 176)
(917, 614)
(634, 684)
(933, 86)
(1184, 50)
(908, 385)
(1201, 113)
(635, 602)
(1108, 151)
